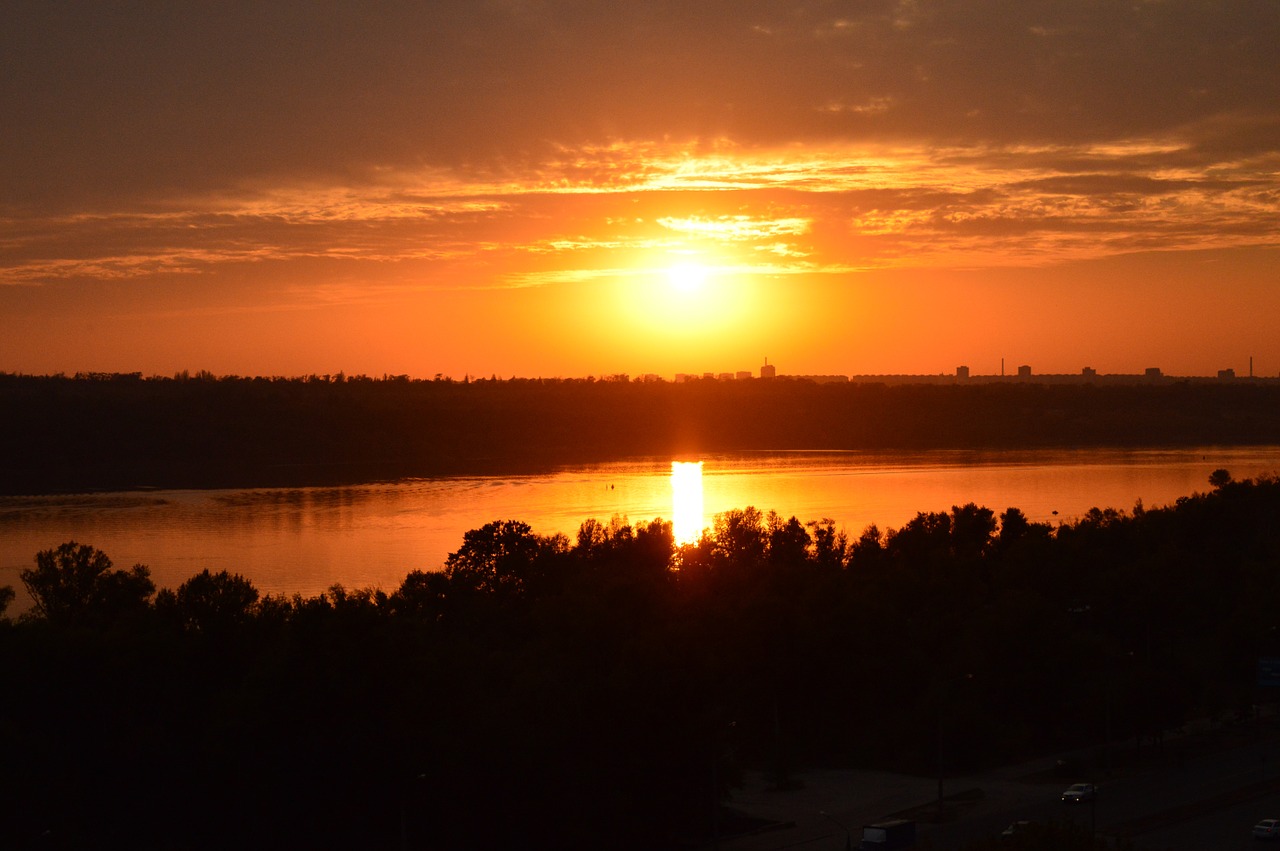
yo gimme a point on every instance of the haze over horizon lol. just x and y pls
(527, 188)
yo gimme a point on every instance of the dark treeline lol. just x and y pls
(124, 431)
(605, 692)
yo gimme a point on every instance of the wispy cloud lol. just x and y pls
(1003, 205)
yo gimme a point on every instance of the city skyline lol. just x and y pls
(553, 188)
(959, 374)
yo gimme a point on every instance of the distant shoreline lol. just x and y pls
(76, 435)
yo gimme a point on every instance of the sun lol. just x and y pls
(687, 278)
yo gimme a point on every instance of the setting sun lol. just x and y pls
(698, 318)
(687, 278)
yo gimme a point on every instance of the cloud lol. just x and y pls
(148, 98)
(629, 204)
(736, 228)
(443, 144)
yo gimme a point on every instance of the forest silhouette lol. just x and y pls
(118, 432)
(607, 691)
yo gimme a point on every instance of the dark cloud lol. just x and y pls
(103, 101)
(1119, 184)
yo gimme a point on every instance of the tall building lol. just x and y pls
(768, 370)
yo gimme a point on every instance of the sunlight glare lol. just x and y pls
(687, 278)
(687, 519)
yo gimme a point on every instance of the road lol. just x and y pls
(1206, 802)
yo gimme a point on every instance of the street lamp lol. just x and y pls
(848, 837)
(946, 688)
(407, 796)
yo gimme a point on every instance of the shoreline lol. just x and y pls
(318, 475)
(70, 435)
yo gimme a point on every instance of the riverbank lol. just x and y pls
(70, 435)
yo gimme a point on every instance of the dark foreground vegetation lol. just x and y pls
(605, 692)
(112, 432)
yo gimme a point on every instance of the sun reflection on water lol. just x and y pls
(687, 520)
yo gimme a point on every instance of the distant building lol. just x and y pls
(963, 375)
(1087, 375)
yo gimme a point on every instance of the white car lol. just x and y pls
(1268, 828)
(1078, 793)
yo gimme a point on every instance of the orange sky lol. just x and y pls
(501, 186)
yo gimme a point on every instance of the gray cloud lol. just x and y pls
(148, 99)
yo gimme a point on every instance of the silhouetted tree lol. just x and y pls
(695, 563)
(1220, 477)
(618, 553)
(925, 537)
(75, 583)
(505, 557)
(422, 594)
(1013, 525)
(6, 597)
(830, 546)
(971, 530)
(596, 538)
(868, 550)
(210, 602)
(788, 541)
(654, 544)
(738, 536)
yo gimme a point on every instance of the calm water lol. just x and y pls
(304, 540)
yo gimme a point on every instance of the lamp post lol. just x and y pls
(946, 690)
(409, 796)
(717, 746)
(848, 837)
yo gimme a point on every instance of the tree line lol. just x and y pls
(607, 690)
(122, 432)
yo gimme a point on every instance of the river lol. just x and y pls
(303, 540)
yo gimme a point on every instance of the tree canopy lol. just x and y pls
(76, 583)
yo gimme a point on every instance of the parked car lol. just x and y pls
(1268, 828)
(1078, 793)
(1016, 828)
